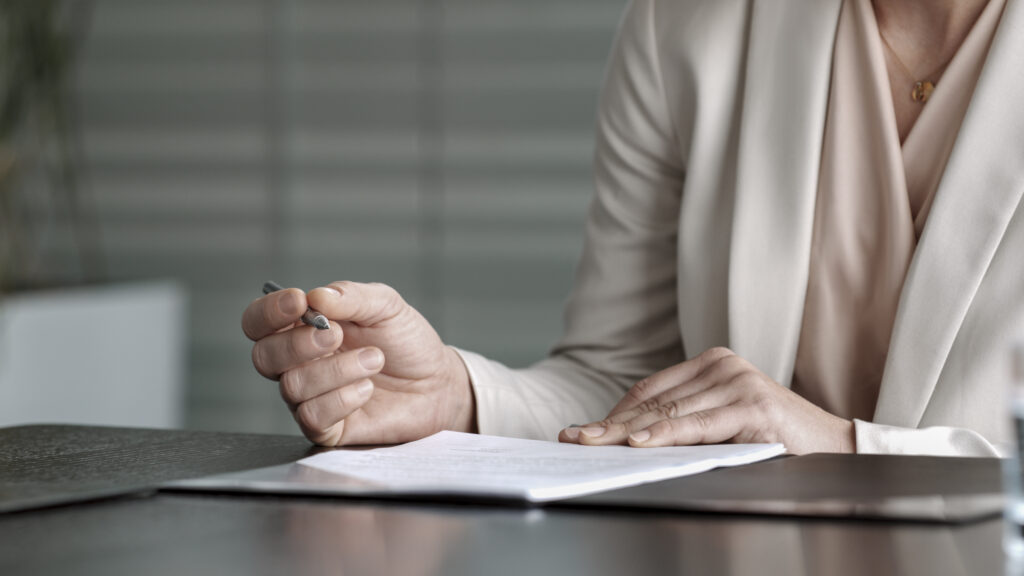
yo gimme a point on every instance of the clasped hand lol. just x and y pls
(716, 397)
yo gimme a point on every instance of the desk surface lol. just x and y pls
(160, 533)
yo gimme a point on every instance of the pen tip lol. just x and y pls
(321, 323)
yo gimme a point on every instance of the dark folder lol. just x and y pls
(903, 488)
(911, 488)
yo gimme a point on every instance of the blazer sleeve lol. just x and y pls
(621, 322)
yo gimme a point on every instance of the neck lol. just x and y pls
(938, 26)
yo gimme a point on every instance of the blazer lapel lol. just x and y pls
(978, 194)
(785, 100)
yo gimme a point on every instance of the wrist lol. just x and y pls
(847, 437)
(461, 400)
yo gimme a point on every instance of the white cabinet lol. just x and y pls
(112, 355)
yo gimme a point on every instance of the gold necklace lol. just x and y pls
(922, 88)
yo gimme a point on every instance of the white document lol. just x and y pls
(455, 463)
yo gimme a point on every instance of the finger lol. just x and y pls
(325, 374)
(281, 352)
(267, 315)
(619, 432)
(716, 374)
(322, 419)
(618, 425)
(362, 304)
(660, 382)
(569, 435)
(712, 426)
(392, 418)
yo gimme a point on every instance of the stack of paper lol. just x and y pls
(454, 463)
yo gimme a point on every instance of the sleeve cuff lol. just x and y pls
(497, 399)
(477, 368)
(934, 441)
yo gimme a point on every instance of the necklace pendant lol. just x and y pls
(922, 91)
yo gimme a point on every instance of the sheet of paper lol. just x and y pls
(455, 463)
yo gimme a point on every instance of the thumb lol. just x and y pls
(360, 304)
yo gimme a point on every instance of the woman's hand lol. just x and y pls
(380, 375)
(716, 397)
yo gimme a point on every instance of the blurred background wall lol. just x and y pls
(441, 146)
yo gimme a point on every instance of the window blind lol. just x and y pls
(441, 146)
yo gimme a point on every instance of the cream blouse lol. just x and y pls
(873, 200)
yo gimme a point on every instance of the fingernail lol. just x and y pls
(324, 338)
(334, 292)
(364, 388)
(640, 437)
(290, 305)
(593, 431)
(370, 358)
(572, 433)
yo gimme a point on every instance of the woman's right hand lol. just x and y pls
(380, 375)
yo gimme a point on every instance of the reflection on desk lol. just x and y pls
(175, 534)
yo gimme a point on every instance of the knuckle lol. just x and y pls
(669, 411)
(338, 400)
(732, 363)
(393, 302)
(337, 369)
(641, 390)
(306, 415)
(294, 344)
(291, 387)
(341, 285)
(765, 404)
(714, 356)
(247, 328)
(267, 314)
(702, 420)
(259, 361)
(717, 352)
(649, 405)
(721, 359)
(738, 389)
(329, 437)
(750, 380)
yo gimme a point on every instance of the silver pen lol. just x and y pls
(310, 316)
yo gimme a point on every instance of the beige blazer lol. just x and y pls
(699, 233)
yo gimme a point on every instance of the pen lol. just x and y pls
(310, 316)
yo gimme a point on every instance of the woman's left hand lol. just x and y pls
(716, 397)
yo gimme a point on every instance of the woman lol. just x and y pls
(816, 201)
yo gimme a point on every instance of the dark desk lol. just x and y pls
(169, 533)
